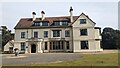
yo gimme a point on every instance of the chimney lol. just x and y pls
(33, 13)
(43, 15)
(71, 14)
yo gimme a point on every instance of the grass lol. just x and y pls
(88, 60)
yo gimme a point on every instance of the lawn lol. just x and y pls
(110, 59)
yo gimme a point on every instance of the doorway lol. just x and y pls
(33, 48)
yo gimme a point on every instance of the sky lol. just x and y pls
(105, 14)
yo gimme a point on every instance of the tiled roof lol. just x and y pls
(27, 22)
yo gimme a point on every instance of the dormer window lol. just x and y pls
(82, 21)
(64, 23)
(36, 23)
(44, 23)
(60, 23)
(56, 23)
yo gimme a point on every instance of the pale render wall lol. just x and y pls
(6, 47)
(40, 33)
(92, 35)
(30, 32)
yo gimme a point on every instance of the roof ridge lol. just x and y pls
(49, 17)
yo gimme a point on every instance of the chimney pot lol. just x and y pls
(71, 9)
(33, 13)
(43, 15)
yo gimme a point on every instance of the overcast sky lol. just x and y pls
(105, 14)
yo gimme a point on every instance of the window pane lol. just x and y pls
(22, 46)
(45, 24)
(84, 45)
(56, 33)
(67, 44)
(35, 34)
(83, 31)
(64, 23)
(45, 33)
(22, 34)
(67, 33)
(82, 21)
(45, 45)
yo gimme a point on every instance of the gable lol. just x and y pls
(89, 22)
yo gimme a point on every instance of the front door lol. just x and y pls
(33, 48)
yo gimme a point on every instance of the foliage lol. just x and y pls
(110, 38)
(6, 35)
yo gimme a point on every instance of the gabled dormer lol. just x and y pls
(83, 21)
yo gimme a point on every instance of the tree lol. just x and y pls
(6, 35)
(110, 38)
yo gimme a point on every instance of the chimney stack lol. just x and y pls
(43, 15)
(33, 13)
(71, 14)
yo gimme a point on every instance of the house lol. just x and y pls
(57, 34)
(8, 48)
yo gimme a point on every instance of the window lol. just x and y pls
(82, 21)
(35, 34)
(22, 34)
(36, 23)
(45, 24)
(67, 44)
(84, 45)
(83, 31)
(56, 45)
(45, 45)
(67, 33)
(22, 46)
(64, 23)
(56, 33)
(56, 23)
(45, 33)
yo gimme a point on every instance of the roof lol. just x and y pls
(26, 23)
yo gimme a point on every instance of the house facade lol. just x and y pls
(57, 34)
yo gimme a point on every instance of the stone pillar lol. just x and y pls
(48, 46)
(39, 48)
(52, 45)
(29, 48)
(26, 47)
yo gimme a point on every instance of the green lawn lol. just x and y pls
(88, 60)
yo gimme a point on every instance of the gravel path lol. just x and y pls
(10, 59)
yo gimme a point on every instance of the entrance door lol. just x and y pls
(33, 48)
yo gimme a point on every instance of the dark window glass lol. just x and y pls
(45, 45)
(82, 21)
(67, 45)
(84, 45)
(45, 33)
(35, 34)
(56, 23)
(83, 31)
(22, 46)
(67, 33)
(36, 23)
(56, 33)
(45, 24)
(22, 34)
(56, 45)
(64, 23)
